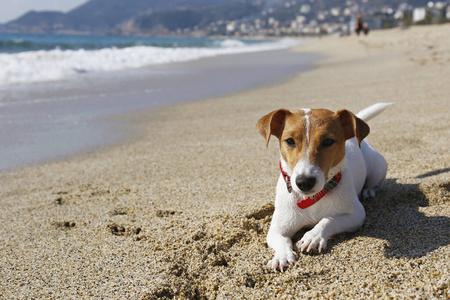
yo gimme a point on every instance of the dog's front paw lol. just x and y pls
(282, 261)
(312, 241)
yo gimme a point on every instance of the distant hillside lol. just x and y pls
(100, 16)
(45, 21)
(169, 16)
(172, 20)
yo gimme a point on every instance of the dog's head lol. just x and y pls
(312, 142)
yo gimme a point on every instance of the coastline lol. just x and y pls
(65, 118)
(182, 211)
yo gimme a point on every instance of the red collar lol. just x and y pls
(313, 199)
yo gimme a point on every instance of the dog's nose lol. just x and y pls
(305, 183)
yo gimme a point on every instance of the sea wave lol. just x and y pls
(57, 64)
(230, 43)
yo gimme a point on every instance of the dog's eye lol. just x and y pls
(327, 142)
(290, 142)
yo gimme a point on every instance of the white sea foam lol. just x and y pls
(59, 64)
(229, 43)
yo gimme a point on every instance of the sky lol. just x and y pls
(11, 9)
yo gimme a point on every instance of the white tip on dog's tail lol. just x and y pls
(371, 112)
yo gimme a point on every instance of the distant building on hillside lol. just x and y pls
(419, 14)
(434, 13)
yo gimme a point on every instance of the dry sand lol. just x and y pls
(183, 210)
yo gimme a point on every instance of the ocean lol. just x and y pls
(29, 58)
(61, 95)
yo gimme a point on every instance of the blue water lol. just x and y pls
(15, 43)
(27, 58)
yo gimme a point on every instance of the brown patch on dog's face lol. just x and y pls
(295, 129)
(327, 140)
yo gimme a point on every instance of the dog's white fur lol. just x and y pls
(338, 211)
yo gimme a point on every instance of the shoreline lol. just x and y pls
(183, 211)
(71, 117)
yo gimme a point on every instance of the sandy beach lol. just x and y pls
(181, 210)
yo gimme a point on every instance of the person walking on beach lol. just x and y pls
(360, 25)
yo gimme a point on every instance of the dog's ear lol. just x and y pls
(272, 123)
(353, 126)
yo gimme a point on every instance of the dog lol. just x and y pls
(325, 166)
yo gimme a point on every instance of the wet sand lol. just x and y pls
(41, 122)
(182, 211)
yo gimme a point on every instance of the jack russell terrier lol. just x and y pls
(325, 165)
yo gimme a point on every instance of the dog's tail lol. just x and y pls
(371, 112)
